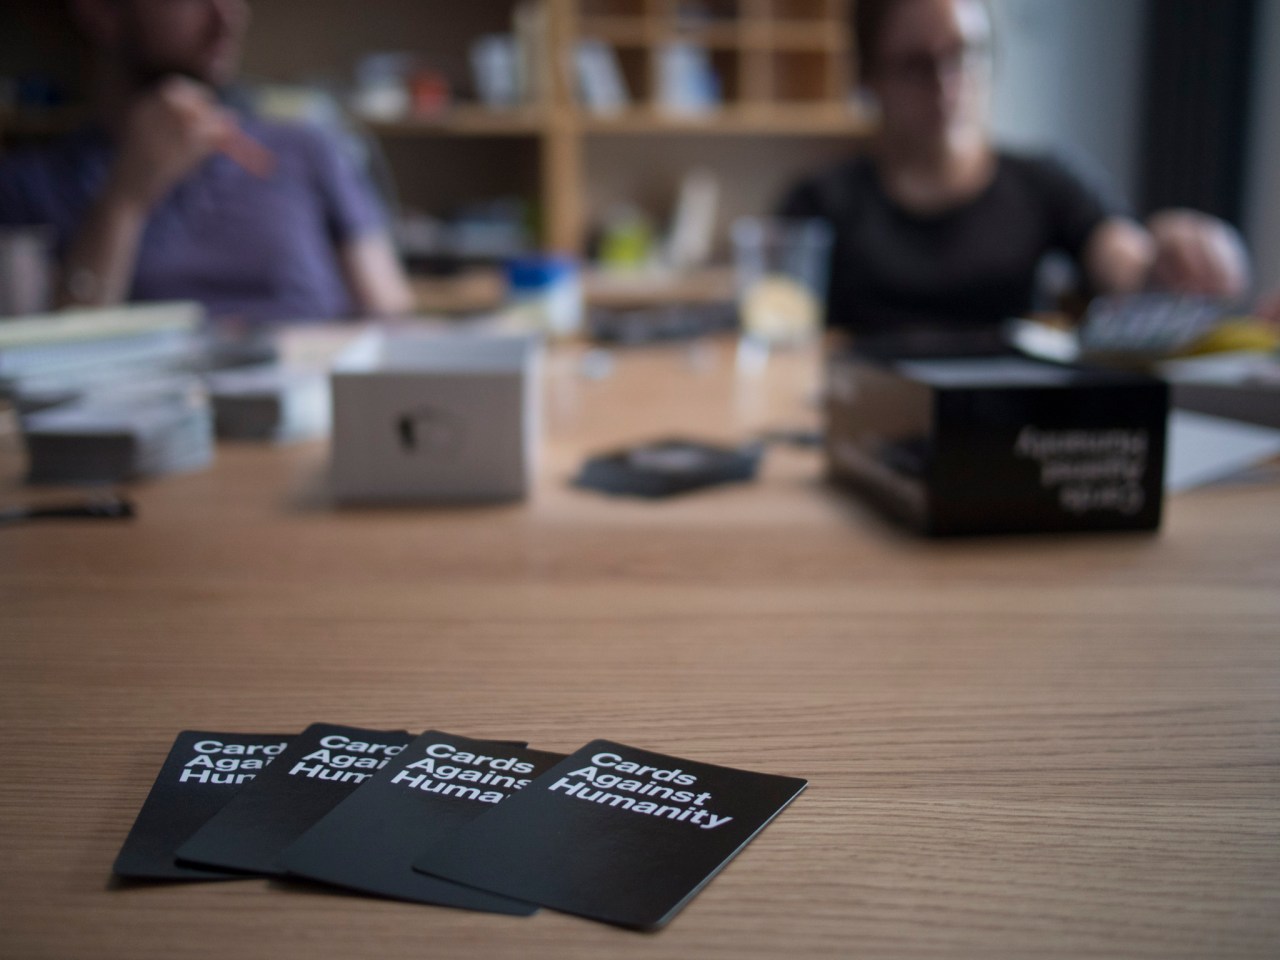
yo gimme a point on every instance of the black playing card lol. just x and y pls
(669, 467)
(322, 766)
(439, 783)
(613, 833)
(200, 776)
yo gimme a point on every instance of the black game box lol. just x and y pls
(1000, 444)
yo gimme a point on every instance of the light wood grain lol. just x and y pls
(1063, 747)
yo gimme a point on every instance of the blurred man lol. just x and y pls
(172, 195)
(935, 225)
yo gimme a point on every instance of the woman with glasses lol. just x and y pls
(935, 225)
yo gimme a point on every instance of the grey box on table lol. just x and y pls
(436, 417)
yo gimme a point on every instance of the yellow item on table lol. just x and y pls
(779, 309)
(1236, 335)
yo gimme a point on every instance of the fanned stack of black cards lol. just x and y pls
(610, 832)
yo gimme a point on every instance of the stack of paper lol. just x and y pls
(54, 357)
(1204, 449)
(154, 429)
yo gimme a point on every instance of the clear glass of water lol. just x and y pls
(781, 269)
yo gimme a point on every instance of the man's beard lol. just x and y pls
(146, 71)
(147, 76)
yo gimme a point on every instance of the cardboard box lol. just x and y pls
(269, 403)
(998, 445)
(422, 417)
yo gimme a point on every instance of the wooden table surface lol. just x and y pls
(1016, 747)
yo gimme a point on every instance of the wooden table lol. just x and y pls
(1017, 747)
(484, 290)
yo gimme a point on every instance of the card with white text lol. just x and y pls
(319, 770)
(434, 787)
(613, 833)
(202, 773)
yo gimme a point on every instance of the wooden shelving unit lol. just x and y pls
(783, 67)
(768, 52)
(465, 121)
(730, 122)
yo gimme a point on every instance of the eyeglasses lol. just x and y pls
(922, 68)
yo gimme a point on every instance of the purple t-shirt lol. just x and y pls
(261, 250)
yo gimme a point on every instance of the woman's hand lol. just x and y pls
(1196, 253)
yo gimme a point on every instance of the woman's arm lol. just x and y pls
(1179, 251)
(1198, 254)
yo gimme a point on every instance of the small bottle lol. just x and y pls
(546, 295)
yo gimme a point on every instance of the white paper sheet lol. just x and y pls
(1204, 449)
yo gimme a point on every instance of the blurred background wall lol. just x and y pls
(1069, 76)
(1262, 220)
(1079, 76)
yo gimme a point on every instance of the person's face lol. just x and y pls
(932, 69)
(200, 39)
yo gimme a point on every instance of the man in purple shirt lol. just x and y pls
(171, 195)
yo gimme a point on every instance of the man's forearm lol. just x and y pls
(376, 277)
(99, 267)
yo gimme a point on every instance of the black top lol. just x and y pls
(973, 264)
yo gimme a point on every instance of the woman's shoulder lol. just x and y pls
(1068, 181)
(832, 192)
(1053, 171)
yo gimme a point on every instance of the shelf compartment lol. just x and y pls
(721, 36)
(618, 31)
(726, 66)
(703, 14)
(808, 10)
(763, 120)
(821, 36)
(463, 121)
(801, 77)
(631, 9)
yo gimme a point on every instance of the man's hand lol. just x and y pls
(168, 133)
(1197, 254)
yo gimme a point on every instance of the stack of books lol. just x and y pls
(55, 358)
(122, 434)
(105, 396)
